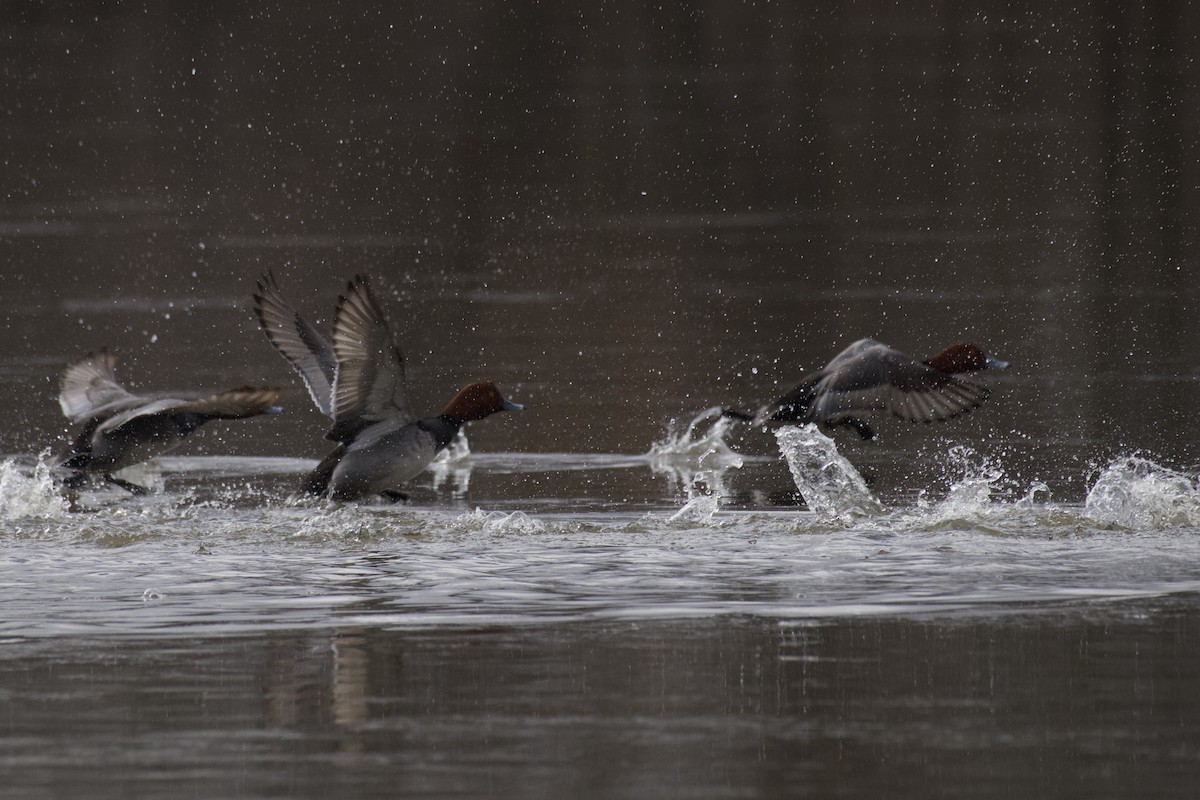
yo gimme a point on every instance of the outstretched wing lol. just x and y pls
(89, 388)
(935, 403)
(885, 379)
(148, 408)
(808, 401)
(239, 403)
(309, 353)
(369, 385)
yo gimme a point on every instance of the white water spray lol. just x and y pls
(695, 462)
(453, 465)
(1137, 493)
(830, 485)
(29, 495)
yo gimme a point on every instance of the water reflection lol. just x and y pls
(883, 706)
(325, 681)
(239, 645)
(451, 469)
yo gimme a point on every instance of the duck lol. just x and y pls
(872, 376)
(358, 381)
(120, 429)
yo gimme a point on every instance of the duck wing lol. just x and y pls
(881, 378)
(146, 408)
(793, 406)
(309, 353)
(245, 401)
(89, 388)
(802, 402)
(369, 385)
(233, 404)
(927, 403)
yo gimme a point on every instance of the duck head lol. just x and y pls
(964, 357)
(476, 401)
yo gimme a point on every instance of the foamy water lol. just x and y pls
(218, 548)
(1134, 492)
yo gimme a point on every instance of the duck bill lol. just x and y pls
(995, 363)
(510, 406)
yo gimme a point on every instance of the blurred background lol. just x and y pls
(622, 214)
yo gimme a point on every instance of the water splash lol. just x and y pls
(453, 465)
(982, 496)
(978, 480)
(704, 489)
(24, 495)
(705, 449)
(350, 524)
(497, 522)
(1030, 499)
(832, 488)
(147, 474)
(695, 463)
(1137, 493)
(457, 452)
(700, 508)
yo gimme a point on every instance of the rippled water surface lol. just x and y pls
(148, 568)
(627, 217)
(215, 636)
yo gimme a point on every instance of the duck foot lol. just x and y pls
(128, 486)
(864, 430)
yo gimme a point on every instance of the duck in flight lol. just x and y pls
(870, 376)
(121, 429)
(357, 380)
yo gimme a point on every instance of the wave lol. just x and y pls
(1137, 493)
(245, 500)
(30, 493)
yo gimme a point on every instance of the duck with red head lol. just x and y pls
(477, 401)
(870, 376)
(964, 357)
(358, 380)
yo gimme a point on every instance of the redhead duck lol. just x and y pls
(358, 381)
(121, 429)
(870, 376)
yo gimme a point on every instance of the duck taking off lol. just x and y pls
(870, 376)
(358, 381)
(121, 429)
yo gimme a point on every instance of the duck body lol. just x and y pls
(358, 381)
(123, 440)
(121, 429)
(380, 458)
(869, 376)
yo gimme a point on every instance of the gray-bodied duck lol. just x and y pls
(121, 429)
(358, 381)
(871, 376)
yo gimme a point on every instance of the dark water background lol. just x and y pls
(623, 215)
